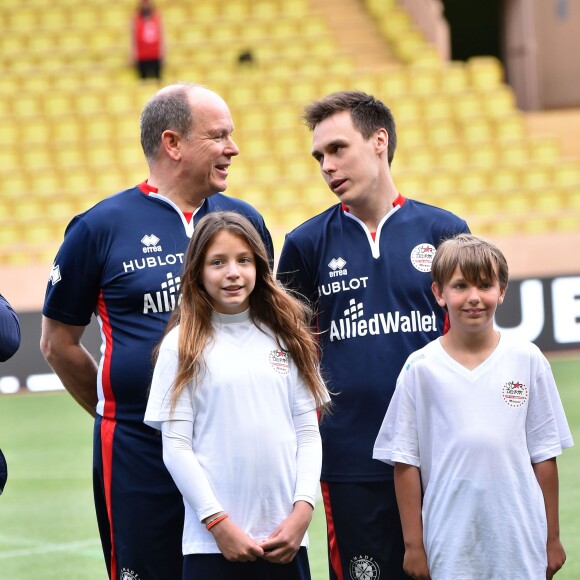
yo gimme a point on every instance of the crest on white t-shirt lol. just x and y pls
(279, 360)
(515, 393)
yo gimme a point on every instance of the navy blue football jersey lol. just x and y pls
(122, 260)
(374, 306)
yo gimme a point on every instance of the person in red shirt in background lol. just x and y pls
(147, 40)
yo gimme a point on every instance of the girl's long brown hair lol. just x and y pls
(270, 304)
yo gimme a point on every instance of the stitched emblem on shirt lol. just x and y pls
(128, 575)
(279, 360)
(515, 394)
(422, 257)
(364, 568)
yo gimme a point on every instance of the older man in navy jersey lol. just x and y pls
(121, 260)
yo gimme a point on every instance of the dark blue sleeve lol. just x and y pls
(266, 238)
(9, 330)
(75, 282)
(294, 272)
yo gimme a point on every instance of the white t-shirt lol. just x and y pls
(474, 435)
(244, 456)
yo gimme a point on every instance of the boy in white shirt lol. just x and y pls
(473, 431)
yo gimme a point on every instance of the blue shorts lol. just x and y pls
(216, 567)
(139, 508)
(365, 538)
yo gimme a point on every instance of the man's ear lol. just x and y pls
(382, 140)
(171, 143)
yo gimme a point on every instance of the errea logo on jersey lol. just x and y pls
(150, 242)
(354, 324)
(337, 267)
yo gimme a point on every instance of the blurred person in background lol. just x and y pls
(9, 330)
(363, 265)
(148, 45)
(122, 260)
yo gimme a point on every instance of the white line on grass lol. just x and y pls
(51, 548)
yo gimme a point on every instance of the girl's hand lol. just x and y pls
(234, 544)
(415, 563)
(556, 557)
(284, 542)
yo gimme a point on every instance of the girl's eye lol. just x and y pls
(216, 262)
(245, 260)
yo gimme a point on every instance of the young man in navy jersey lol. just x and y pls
(364, 266)
(122, 261)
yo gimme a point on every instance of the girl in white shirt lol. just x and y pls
(473, 429)
(236, 393)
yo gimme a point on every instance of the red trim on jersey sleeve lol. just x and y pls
(334, 554)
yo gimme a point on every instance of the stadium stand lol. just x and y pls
(70, 103)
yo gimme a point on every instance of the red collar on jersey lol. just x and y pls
(147, 189)
(400, 200)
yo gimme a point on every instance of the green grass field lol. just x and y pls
(47, 525)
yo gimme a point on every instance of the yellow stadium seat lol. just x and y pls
(39, 158)
(69, 155)
(484, 155)
(9, 158)
(467, 105)
(99, 128)
(45, 184)
(499, 101)
(535, 177)
(9, 129)
(453, 77)
(477, 130)
(509, 127)
(505, 179)
(516, 201)
(547, 198)
(514, 152)
(23, 18)
(300, 167)
(567, 174)
(285, 116)
(544, 149)
(62, 208)
(27, 105)
(53, 18)
(264, 10)
(36, 131)
(101, 155)
(572, 196)
(38, 233)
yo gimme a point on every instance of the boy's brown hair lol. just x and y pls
(479, 261)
